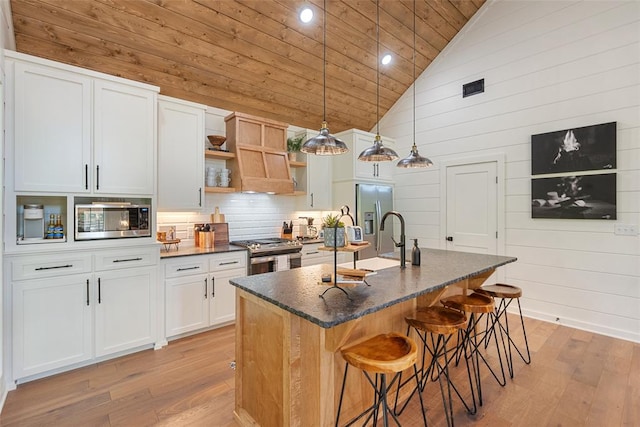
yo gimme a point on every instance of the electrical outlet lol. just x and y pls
(626, 229)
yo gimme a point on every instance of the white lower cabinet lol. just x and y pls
(312, 255)
(125, 310)
(198, 292)
(52, 324)
(60, 320)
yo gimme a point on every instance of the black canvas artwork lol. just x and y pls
(572, 150)
(574, 197)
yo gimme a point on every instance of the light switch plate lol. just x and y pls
(626, 229)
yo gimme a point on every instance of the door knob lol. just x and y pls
(449, 238)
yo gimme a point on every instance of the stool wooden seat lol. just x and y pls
(477, 305)
(437, 320)
(474, 303)
(500, 290)
(506, 294)
(382, 354)
(439, 324)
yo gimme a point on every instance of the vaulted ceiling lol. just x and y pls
(253, 56)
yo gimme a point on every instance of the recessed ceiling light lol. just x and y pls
(386, 59)
(306, 15)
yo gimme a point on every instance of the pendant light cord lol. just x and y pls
(414, 73)
(324, 61)
(378, 67)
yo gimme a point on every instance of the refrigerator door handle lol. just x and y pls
(377, 225)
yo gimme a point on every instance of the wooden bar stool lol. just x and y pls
(383, 354)
(477, 305)
(507, 293)
(436, 326)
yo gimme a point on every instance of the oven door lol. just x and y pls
(263, 264)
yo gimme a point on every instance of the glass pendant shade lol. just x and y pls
(414, 160)
(377, 152)
(324, 144)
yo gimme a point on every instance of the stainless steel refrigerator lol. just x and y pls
(372, 202)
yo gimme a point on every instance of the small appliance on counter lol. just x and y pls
(33, 225)
(308, 230)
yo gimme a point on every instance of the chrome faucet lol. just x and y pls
(400, 244)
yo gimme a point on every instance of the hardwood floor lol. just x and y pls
(576, 378)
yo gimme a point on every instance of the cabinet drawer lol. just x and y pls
(126, 258)
(186, 266)
(32, 267)
(228, 261)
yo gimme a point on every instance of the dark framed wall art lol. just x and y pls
(571, 173)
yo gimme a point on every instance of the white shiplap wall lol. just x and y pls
(547, 66)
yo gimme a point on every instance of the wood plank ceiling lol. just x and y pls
(253, 56)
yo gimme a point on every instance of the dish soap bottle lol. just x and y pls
(415, 253)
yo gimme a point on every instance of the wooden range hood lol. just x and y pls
(261, 163)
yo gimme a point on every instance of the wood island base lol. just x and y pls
(289, 371)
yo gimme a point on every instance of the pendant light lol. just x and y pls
(414, 160)
(377, 152)
(324, 144)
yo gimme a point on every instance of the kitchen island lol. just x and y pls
(288, 365)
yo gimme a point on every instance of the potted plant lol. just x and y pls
(333, 231)
(293, 146)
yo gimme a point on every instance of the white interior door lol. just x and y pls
(472, 207)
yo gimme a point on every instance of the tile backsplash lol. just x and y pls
(248, 215)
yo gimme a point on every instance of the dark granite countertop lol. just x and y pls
(298, 290)
(172, 252)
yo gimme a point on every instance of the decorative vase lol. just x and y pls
(330, 237)
(292, 156)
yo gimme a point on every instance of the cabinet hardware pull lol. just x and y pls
(312, 253)
(55, 266)
(200, 197)
(228, 263)
(205, 288)
(127, 260)
(87, 292)
(188, 268)
(97, 177)
(213, 287)
(311, 199)
(99, 292)
(86, 176)
(449, 238)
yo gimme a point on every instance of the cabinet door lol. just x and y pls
(52, 130)
(223, 296)
(187, 303)
(319, 182)
(125, 309)
(51, 323)
(124, 139)
(311, 255)
(180, 158)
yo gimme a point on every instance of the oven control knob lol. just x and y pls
(257, 245)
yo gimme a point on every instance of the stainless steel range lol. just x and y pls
(272, 254)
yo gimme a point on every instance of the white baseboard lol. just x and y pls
(4, 390)
(578, 324)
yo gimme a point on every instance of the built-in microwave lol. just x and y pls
(106, 220)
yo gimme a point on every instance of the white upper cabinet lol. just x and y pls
(75, 132)
(52, 129)
(347, 166)
(315, 179)
(180, 148)
(124, 139)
